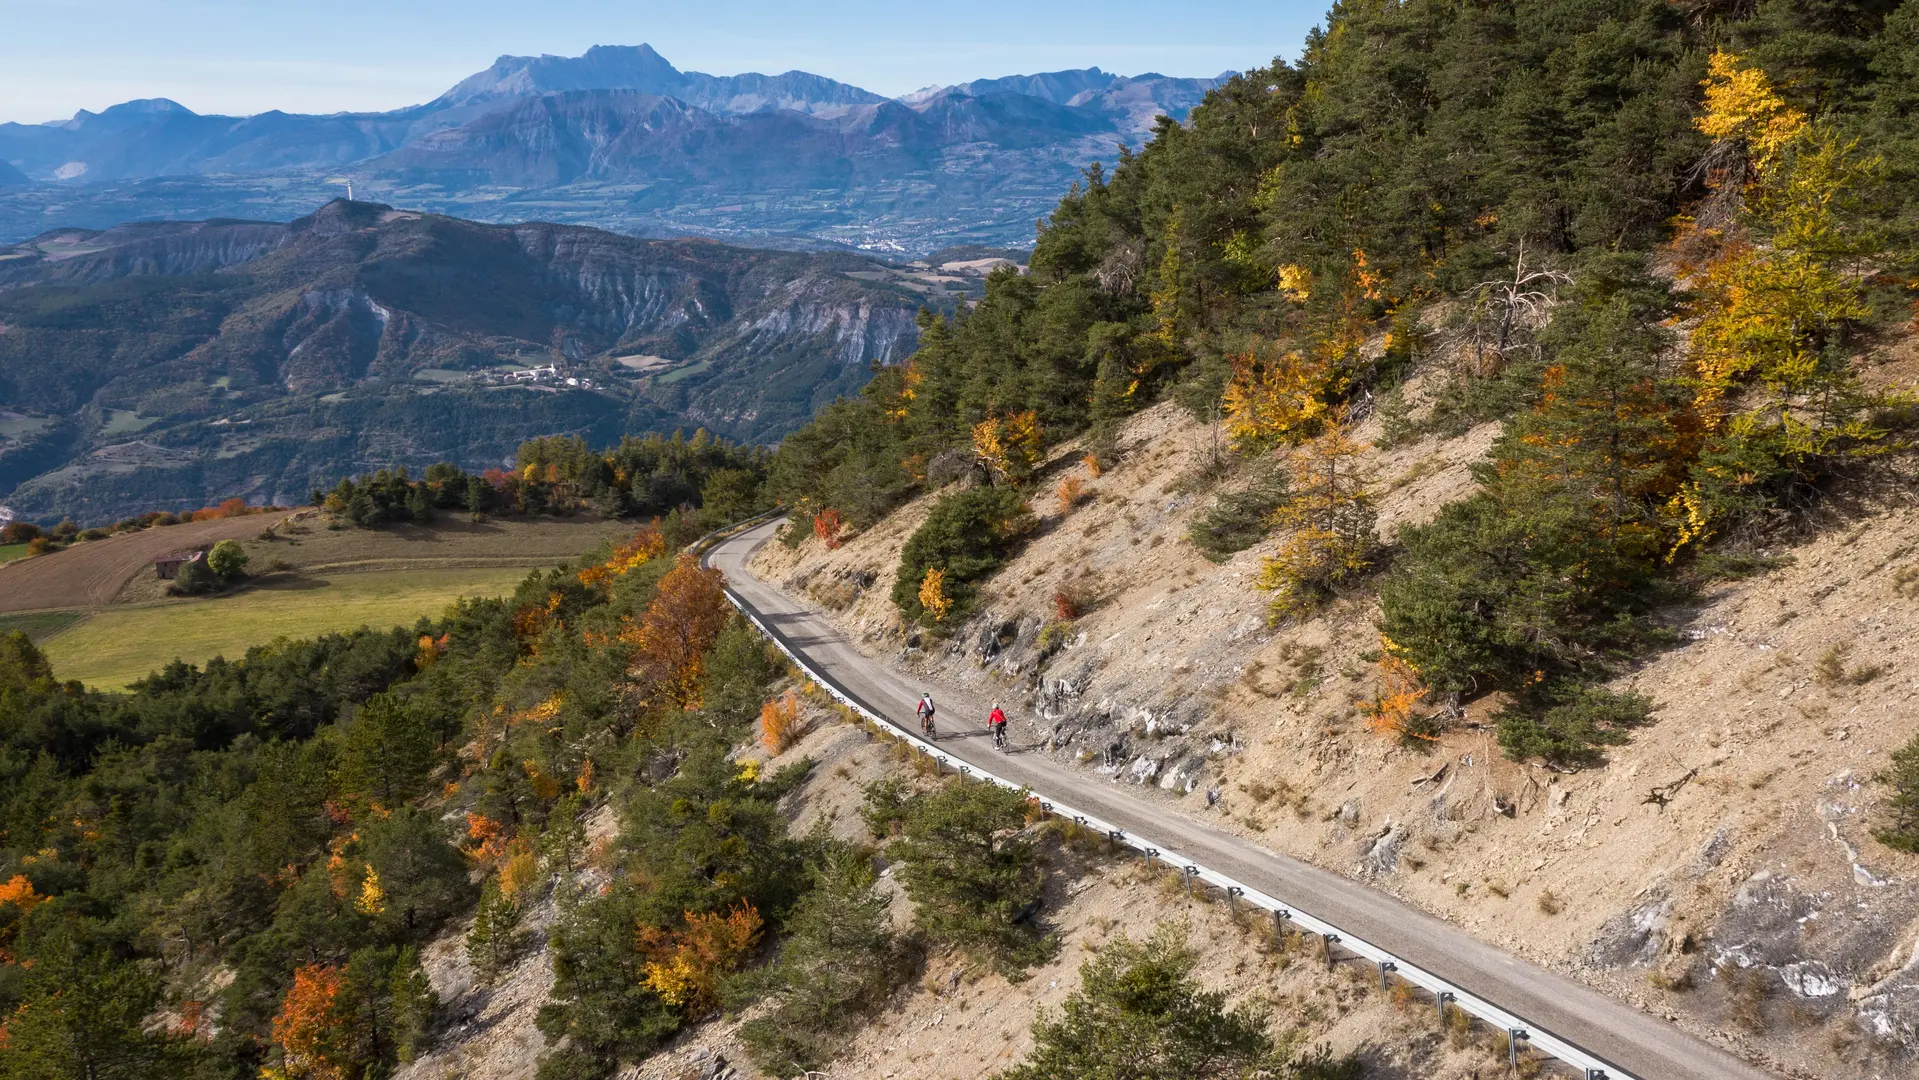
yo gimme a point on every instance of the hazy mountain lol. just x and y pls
(11, 176)
(164, 364)
(1130, 103)
(618, 138)
(638, 67)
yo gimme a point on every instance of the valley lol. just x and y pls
(158, 366)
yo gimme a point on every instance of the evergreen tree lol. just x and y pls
(1139, 1014)
(422, 875)
(974, 875)
(389, 750)
(1902, 833)
(495, 938)
(839, 960)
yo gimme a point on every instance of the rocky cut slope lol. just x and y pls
(167, 364)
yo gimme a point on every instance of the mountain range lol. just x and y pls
(171, 365)
(621, 139)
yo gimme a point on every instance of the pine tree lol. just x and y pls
(494, 939)
(1140, 1014)
(1903, 804)
(838, 961)
(423, 876)
(974, 877)
(389, 751)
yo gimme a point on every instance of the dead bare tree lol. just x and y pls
(1505, 312)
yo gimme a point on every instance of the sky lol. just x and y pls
(239, 58)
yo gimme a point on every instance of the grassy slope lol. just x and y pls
(10, 552)
(115, 647)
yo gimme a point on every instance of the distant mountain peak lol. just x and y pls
(642, 68)
(128, 112)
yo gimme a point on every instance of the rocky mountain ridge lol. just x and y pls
(618, 138)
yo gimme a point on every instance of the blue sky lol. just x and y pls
(236, 57)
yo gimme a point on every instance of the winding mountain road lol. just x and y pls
(1637, 1043)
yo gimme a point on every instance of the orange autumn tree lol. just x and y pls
(674, 633)
(309, 1029)
(780, 723)
(827, 525)
(645, 546)
(17, 901)
(685, 966)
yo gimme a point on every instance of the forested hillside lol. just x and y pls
(1653, 238)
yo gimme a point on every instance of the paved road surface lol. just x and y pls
(1641, 1044)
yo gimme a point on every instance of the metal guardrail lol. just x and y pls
(1286, 915)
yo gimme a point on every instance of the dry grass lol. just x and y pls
(95, 572)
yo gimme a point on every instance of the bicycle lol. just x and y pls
(999, 737)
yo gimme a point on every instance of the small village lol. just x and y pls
(548, 375)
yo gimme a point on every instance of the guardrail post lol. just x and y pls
(1113, 838)
(1233, 893)
(1595, 1074)
(1045, 809)
(1513, 1035)
(938, 762)
(1385, 968)
(1440, 999)
(1326, 944)
(1280, 917)
(1151, 854)
(1190, 871)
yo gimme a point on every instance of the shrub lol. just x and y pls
(883, 804)
(1568, 725)
(966, 537)
(827, 525)
(1070, 493)
(1240, 519)
(194, 577)
(1071, 600)
(780, 723)
(19, 532)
